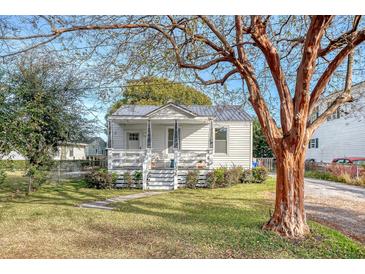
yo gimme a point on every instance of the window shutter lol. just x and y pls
(316, 142)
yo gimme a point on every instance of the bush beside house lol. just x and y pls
(192, 179)
(226, 177)
(101, 179)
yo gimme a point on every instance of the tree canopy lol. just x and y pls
(159, 91)
(40, 114)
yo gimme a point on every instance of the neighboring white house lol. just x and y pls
(14, 155)
(67, 151)
(71, 151)
(96, 148)
(343, 134)
(165, 142)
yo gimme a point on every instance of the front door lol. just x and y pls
(170, 141)
(133, 140)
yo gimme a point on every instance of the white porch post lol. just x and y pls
(147, 160)
(176, 153)
(211, 144)
(109, 146)
(149, 135)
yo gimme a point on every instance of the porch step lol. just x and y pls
(162, 179)
(161, 183)
(161, 171)
(162, 187)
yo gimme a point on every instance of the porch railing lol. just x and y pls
(123, 158)
(143, 159)
(195, 159)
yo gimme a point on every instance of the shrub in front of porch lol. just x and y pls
(233, 175)
(101, 179)
(133, 179)
(192, 179)
(255, 175)
(224, 177)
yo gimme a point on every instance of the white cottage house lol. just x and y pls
(343, 134)
(164, 142)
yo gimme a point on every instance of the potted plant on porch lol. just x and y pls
(201, 164)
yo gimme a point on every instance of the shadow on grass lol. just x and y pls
(209, 212)
(69, 193)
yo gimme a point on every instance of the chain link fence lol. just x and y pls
(61, 170)
(75, 169)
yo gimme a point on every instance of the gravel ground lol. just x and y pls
(337, 205)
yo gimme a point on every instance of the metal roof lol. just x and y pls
(219, 112)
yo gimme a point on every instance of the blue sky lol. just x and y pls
(97, 106)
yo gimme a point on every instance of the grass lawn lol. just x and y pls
(203, 223)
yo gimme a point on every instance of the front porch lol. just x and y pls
(163, 150)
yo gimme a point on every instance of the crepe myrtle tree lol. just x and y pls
(293, 57)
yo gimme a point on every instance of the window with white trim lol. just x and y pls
(170, 139)
(71, 152)
(335, 115)
(133, 137)
(220, 140)
(313, 143)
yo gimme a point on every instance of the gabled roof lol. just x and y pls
(173, 105)
(93, 139)
(218, 112)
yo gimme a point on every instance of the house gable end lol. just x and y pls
(171, 111)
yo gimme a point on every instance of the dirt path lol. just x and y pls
(337, 205)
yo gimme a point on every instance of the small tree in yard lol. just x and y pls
(295, 55)
(41, 117)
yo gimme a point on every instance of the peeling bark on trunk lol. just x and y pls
(289, 217)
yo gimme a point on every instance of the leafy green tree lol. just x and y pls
(260, 147)
(44, 116)
(6, 124)
(159, 91)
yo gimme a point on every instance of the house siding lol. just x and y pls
(339, 138)
(79, 152)
(195, 137)
(117, 135)
(239, 145)
(169, 113)
(342, 137)
(96, 148)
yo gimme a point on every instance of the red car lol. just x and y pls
(350, 161)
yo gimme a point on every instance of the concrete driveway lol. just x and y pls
(337, 205)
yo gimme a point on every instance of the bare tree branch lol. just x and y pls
(341, 40)
(259, 35)
(220, 36)
(326, 76)
(217, 81)
(344, 97)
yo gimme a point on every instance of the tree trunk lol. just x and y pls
(30, 184)
(289, 218)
